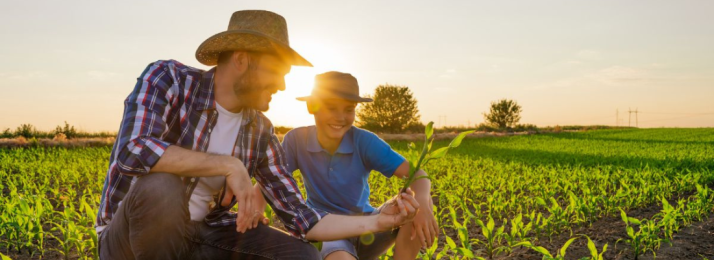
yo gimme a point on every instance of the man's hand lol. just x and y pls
(238, 183)
(398, 211)
(425, 226)
(258, 201)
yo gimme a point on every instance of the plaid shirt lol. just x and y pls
(173, 104)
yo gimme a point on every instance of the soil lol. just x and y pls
(693, 242)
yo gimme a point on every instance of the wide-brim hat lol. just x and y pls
(335, 84)
(255, 31)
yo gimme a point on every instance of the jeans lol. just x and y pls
(153, 222)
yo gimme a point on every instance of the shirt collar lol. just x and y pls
(346, 145)
(207, 101)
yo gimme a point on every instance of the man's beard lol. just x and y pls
(247, 90)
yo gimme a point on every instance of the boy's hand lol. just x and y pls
(425, 225)
(398, 211)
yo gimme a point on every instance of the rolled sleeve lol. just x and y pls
(380, 156)
(282, 193)
(144, 122)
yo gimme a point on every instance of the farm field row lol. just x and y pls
(497, 197)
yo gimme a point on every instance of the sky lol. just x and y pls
(565, 62)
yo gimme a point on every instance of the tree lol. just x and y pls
(394, 110)
(504, 114)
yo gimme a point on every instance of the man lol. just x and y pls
(189, 142)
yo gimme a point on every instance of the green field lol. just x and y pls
(496, 196)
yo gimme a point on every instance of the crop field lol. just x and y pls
(604, 194)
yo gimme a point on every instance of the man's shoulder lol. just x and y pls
(176, 68)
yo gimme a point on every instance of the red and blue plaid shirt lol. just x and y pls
(173, 104)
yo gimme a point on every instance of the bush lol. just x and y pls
(394, 110)
(504, 114)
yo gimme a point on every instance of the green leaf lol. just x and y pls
(624, 216)
(457, 141)
(634, 221)
(604, 248)
(429, 130)
(566, 245)
(450, 243)
(592, 248)
(438, 153)
(542, 251)
(465, 252)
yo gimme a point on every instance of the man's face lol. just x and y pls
(333, 116)
(257, 85)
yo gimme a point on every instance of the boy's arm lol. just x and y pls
(424, 224)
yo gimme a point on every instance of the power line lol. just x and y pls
(665, 113)
(672, 118)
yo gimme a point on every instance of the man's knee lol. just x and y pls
(159, 189)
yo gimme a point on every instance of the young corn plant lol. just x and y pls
(494, 237)
(560, 254)
(594, 254)
(519, 231)
(643, 240)
(427, 155)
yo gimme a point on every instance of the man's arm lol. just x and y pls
(352, 226)
(188, 163)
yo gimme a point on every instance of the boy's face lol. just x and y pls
(333, 116)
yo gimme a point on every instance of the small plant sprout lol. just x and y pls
(427, 155)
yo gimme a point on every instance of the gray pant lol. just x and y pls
(153, 222)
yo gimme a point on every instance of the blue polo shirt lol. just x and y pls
(337, 183)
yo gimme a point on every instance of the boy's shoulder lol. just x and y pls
(364, 137)
(363, 133)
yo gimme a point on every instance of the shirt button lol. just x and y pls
(193, 179)
(210, 129)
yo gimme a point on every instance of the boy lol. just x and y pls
(336, 158)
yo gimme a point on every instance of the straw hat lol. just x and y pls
(335, 84)
(251, 30)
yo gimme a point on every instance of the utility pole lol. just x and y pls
(440, 125)
(637, 121)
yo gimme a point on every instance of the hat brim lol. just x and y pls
(246, 40)
(357, 99)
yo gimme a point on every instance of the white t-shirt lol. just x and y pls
(222, 139)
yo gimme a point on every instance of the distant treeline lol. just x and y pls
(68, 131)
(523, 128)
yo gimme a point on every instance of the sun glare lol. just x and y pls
(285, 110)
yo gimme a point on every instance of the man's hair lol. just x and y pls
(253, 58)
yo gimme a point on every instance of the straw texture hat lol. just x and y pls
(335, 84)
(251, 30)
